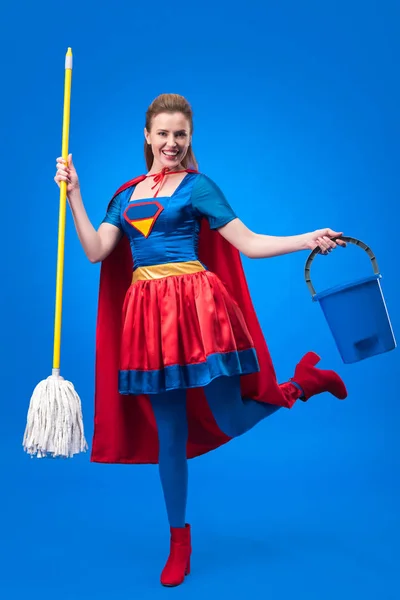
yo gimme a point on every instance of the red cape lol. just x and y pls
(124, 426)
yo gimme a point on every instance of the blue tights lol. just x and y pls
(233, 415)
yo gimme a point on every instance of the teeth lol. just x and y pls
(170, 153)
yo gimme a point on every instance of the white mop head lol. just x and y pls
(54, 423)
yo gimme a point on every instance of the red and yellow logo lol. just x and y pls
(143, 215)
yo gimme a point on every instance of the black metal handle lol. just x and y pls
(349, 240)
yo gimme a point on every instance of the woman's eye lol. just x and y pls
(180, 134)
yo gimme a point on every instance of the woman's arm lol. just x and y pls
(256, 245)
(97, 245)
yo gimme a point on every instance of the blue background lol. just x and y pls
(297, 119)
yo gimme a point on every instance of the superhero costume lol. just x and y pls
(178, 342)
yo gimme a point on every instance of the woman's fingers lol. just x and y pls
(62, 175)
(329, 242)
(324, 244)
(63, 172)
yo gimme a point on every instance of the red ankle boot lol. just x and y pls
(315, 381)
(178, 563)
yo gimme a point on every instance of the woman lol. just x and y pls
(182, 366)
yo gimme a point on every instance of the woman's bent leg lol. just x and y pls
(234, 415)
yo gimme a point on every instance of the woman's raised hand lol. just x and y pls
(67, 172)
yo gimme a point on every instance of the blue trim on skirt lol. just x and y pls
(188, 376)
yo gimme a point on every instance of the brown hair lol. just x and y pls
(170, 103)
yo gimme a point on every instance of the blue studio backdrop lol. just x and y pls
(296, 109)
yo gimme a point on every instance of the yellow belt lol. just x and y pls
(166, 270)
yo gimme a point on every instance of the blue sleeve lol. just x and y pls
(208, 201)
(113, 214)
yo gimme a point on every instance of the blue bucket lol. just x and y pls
(356, 312)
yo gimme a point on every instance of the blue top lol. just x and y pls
(166, 229)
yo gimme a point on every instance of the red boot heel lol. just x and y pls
(187, 572)
(178, 563)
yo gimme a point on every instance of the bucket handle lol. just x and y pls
(349, 240)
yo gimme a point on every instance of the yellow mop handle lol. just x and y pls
(62, 212)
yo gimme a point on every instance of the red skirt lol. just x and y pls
(182, 331)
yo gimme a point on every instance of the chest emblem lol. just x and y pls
(143, 215)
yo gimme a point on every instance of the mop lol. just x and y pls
(54, 425)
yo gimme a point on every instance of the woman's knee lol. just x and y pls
(224, 398)
(228, 422)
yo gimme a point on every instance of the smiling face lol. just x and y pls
(169, 138)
